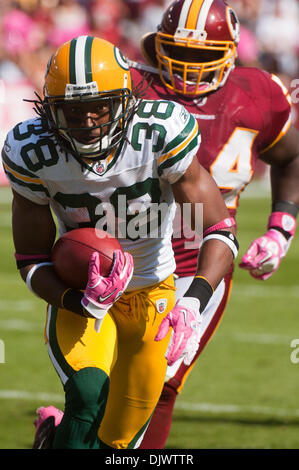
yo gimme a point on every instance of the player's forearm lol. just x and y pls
(285, 182)
(45, 284)
(214, 260)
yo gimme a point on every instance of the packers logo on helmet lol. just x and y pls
(88, 73)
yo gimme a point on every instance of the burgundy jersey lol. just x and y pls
(239, 121)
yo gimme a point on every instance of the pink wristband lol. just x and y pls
(225, 223)
(284, 221)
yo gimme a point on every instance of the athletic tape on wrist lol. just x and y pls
(285, 206)
(202, 277)
(201, 289)
(31, 272)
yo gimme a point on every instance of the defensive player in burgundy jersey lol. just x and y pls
(244, 114)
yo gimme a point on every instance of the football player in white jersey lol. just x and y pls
(94, 144)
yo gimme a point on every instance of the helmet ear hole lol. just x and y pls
(234, 25)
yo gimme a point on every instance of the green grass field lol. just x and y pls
(242, 394)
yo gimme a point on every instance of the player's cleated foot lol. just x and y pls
(48, 418)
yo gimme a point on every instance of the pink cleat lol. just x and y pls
(48, 418)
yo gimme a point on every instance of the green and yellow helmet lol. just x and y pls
(90, 70)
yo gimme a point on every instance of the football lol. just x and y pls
(72, 251)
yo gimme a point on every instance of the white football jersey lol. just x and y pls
(126, 194)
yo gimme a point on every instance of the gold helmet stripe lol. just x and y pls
(197, 14)
(80, 69)
(193, 13)
(185, 12)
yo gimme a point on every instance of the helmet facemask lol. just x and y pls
(104, 137)
(199, 75)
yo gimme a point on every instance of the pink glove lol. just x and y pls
(185, 320)
(264, 255)
(101, 292)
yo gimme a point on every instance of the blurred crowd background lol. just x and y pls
(30, 30)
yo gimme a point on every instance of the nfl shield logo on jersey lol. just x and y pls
(161, 305)
(100, 168)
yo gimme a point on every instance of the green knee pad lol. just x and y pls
(86, 394)
(85, 400)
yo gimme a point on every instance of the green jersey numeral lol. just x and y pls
(38, 154)
(160, 110)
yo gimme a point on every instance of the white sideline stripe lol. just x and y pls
(245, 290)
(24, 395)
(229, 408)
(238, 290)
(19, 325)
(20, 305)
(239, 337)
(254, 291)
(184, 406)
(261, 338)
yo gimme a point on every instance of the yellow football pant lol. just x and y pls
(124, 349)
